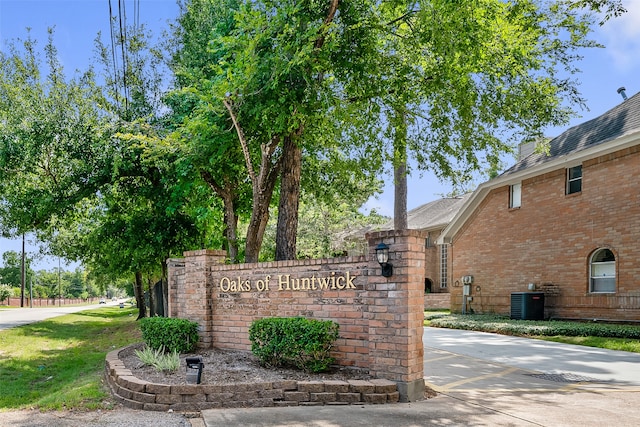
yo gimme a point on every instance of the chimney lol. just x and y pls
(622, 92)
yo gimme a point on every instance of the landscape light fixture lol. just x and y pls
(194, 369)
(382, 255)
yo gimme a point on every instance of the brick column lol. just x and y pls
(191, 294)
(396, 312)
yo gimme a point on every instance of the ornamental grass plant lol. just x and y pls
(159, 359)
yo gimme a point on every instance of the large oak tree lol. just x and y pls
(451, 85)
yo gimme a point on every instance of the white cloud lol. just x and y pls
(621, 37)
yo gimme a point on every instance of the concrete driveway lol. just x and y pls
(452, 355)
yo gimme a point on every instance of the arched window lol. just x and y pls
(602, 271)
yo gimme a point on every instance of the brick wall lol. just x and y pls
(233, 312)
(380, 317)
(549, 239)
(433, 301)
(190, 293)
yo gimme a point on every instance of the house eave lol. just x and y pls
(625, 141)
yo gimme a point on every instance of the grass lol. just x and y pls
(592, 334)
(620, 344)
(59, 363)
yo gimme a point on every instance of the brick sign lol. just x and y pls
(285, 282)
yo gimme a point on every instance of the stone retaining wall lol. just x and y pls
(135, 393)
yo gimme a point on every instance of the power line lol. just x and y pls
(113, 53)
(122, 14)
(136, 14)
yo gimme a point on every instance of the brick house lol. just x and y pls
(432, 218)
(566, 224)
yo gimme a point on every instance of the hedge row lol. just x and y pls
(504, 325)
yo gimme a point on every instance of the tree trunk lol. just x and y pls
(287, 229)
(258, 223)
(262, 185)
(138, 290)
(165, 289)
(23, 275)
(227, 194)
(400, 171)
(400, 197)
(152, 296)
(231, 229)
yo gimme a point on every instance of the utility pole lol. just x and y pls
(22, 275)
(59, 287)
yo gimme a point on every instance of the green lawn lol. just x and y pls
(621, 344)
(59, 363)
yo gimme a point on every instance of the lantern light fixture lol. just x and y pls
(382, 255)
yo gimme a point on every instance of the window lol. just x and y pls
(602, 271)
(428, 243)
(574, 179)
(443, 266)
(515, 196)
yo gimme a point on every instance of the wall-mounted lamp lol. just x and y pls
(382, 255)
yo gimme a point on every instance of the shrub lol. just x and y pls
(169, 334)
(5, 292)
(294, 341)
(506, 326)
(159, 359)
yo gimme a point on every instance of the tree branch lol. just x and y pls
(208, 178)
(332, 13)
(243, 141)
(403, 17)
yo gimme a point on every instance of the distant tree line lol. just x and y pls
(48, 284)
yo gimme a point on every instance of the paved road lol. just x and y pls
(12, 317)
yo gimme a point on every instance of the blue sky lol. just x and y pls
(77, 22)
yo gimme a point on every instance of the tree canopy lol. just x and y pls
(271, 103)
(451, 85)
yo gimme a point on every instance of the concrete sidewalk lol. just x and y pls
(487, 380)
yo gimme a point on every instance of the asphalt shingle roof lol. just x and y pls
(620, 120)
(434, 214)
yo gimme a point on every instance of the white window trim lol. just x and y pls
(592, 277)
(444, 266)
(569, 181)
(515, 195)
